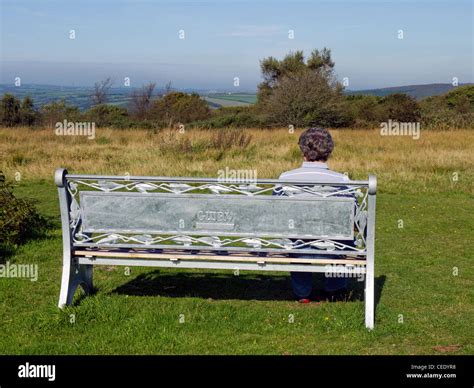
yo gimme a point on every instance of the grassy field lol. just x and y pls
(423, 305)
(231, 99)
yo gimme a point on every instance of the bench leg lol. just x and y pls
(370, 264)
(369, 298)
(74, 275)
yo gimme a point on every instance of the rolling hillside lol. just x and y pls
(416, 91)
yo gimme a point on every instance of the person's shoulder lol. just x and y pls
(339, 175)
(290, 173)
(305, 173)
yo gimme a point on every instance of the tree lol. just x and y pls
(321, 61)
(29, 115)
(168, 88)
(298, 92)
(141, 100)
(10, 110)
(274, 70)
(101, 89)
(107, 115)
(305, 99)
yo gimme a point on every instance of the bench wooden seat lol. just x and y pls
(231, 257)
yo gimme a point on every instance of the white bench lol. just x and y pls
(213, 224)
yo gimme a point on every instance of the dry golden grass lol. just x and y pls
(401, 163)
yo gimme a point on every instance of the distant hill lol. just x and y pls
(415, 91)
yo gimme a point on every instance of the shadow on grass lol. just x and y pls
(5, 252)
(80, 295)
(223, 286)
(9, 250)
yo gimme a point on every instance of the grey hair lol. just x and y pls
(316, 144)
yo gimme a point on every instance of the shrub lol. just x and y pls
(10, 110)
(14, 112)
(58, 111)
(177, 107)
(29, 116)
(108, 116)
(461, 99)
(454, 109)
(399, 107)
(364, 110)
(19, 219)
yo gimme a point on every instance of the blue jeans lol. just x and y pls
(302, 284)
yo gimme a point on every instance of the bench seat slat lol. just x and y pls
(236, 258)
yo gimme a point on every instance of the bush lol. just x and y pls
(177, 107)
(14, 112)
(58, 111)
(29, 116)
(108, 116)
(10, 110)
(367, 110)
(454, 109)
(399, 107)
(460, 99)
(19, 219)
(364, 110)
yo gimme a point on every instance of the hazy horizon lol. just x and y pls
(218, 90)
(141, 40)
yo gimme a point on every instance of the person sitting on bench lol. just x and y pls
(316, 145)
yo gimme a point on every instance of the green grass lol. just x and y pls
(249, 314)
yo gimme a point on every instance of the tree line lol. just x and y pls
(295, 91)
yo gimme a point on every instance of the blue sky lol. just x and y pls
(226, 39)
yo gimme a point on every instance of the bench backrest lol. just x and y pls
(210, 214)
(218, 215)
